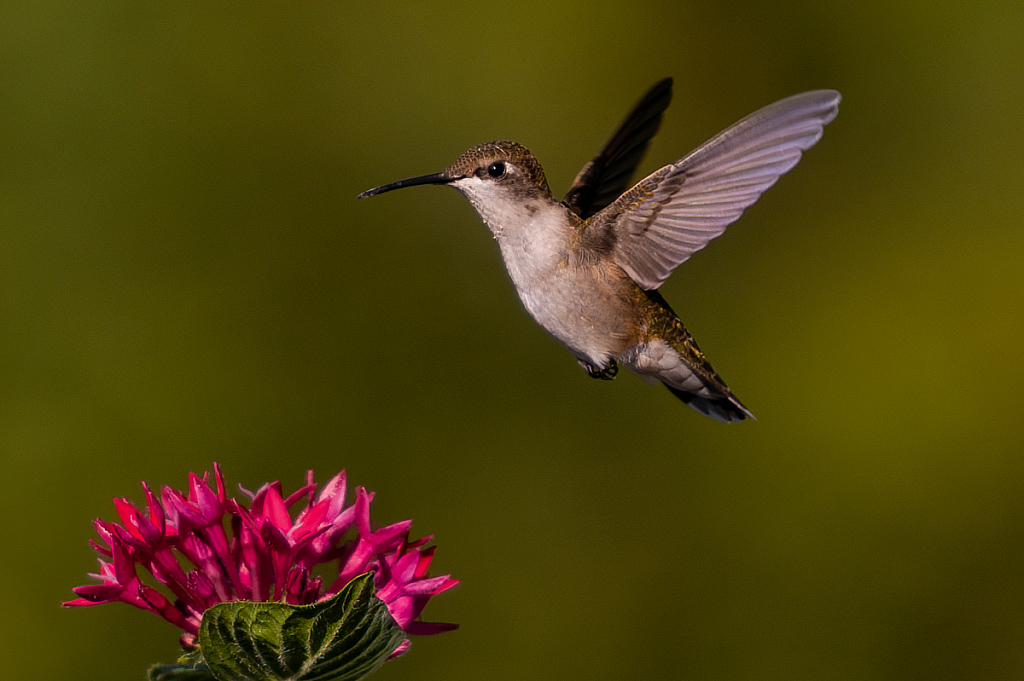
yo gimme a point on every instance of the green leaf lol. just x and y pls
(343, 638)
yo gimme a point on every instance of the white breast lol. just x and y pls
(564, 296)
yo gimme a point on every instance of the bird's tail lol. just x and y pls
(726, 409)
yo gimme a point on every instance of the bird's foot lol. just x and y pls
(605, 373)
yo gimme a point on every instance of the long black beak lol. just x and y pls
(436, 178)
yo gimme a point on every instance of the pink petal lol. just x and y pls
(429, 628)
(275, 511)
(402, 648)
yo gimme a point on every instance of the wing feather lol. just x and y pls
(676, 211)
(604, 178)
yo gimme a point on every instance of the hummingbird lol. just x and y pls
(588, 268)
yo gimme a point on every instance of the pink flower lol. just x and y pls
(266, 555)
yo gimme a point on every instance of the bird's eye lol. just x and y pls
(496, 169)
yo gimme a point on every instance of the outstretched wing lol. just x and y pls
(605, 178)
(676, 211)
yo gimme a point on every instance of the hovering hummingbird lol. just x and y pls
(588, 268)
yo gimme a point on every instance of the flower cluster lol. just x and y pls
(259, 554)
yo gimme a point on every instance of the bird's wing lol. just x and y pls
(604, 179)
(676, 211)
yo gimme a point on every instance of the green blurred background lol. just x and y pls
(186, 276)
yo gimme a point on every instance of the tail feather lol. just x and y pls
(726, 409)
